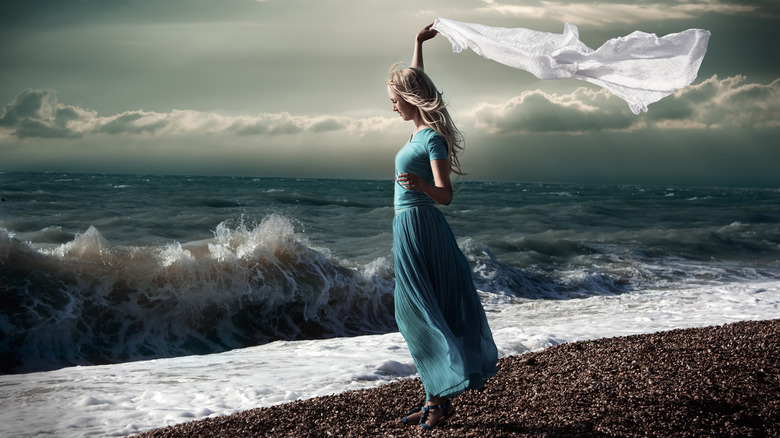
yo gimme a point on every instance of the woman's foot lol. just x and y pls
(434, 413)
(412, 417)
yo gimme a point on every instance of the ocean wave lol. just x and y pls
(534, 282)
(87, 301)
(154, 277)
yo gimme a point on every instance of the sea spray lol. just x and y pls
(90, 302)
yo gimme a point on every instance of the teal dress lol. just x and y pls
(437, 307)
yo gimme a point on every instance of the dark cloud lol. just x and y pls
(287, 124)
(268, 126)
(329, 124)
(735, 103)
(718, 103)
(582, 111)
(37, 113)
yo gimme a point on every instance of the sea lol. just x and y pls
(132, 302)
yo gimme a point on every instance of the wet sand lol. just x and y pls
(721, 381)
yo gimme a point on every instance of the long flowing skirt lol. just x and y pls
(437, 307)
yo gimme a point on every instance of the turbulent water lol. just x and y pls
(98, 269)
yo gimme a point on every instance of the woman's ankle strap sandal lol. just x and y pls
(445, 407)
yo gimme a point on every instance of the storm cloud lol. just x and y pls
(39, 114)
(712, 104)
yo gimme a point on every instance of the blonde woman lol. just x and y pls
(437, 308)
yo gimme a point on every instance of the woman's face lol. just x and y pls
(404, 109)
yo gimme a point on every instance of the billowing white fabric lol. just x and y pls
(640, 68)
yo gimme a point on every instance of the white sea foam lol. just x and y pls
(128, 398)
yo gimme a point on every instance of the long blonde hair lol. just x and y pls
(415, 87)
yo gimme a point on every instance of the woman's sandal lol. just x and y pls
(405, 419)
(444, 407)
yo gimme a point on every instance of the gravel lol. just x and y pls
(720, 381)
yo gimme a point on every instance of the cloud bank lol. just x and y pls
(714, 104)
(39, 114)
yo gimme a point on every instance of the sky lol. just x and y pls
(295, 88)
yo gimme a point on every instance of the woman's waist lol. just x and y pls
(406, 208)
(411, 198)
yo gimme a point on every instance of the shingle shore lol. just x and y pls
(720, 381)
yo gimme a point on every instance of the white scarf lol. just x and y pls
(640, 68)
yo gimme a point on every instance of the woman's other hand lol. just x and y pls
(440, 191)
(411, 181)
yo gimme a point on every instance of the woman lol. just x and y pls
(437, 308)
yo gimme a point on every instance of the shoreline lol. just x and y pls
(709, 381)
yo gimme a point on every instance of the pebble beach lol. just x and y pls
(717, 381)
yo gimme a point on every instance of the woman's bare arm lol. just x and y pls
(422, 36)
(441, 189)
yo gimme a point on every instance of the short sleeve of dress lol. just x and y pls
(437, 147)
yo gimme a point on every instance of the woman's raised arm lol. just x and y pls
(422, 36)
